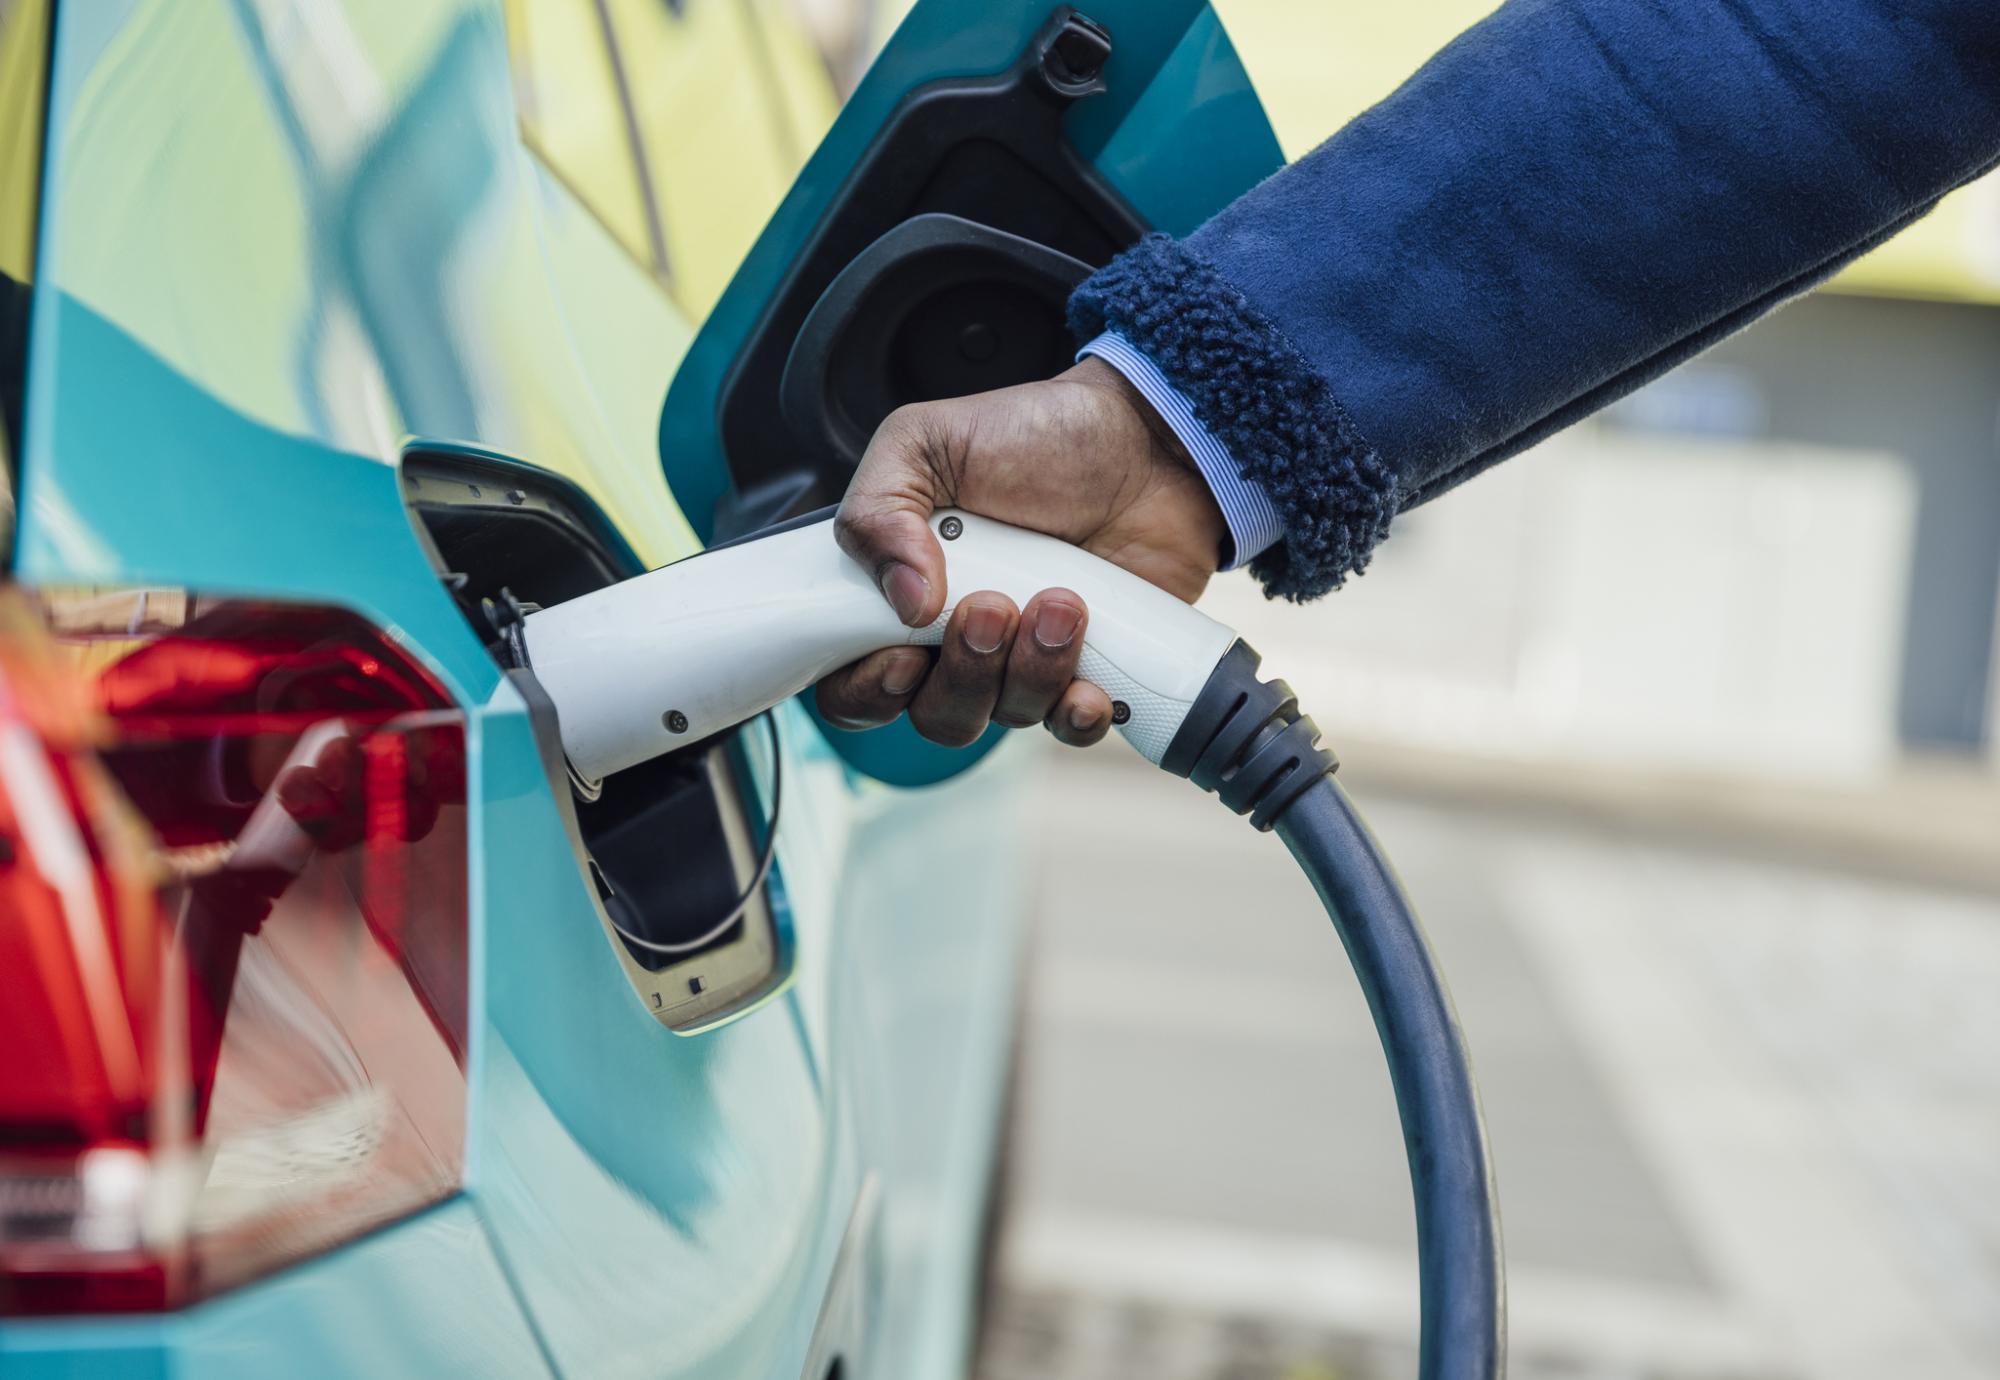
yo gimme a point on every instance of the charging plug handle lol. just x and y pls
(670, 657)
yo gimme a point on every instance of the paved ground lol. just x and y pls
(1746, 1112)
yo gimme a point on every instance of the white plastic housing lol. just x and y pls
(728, 633)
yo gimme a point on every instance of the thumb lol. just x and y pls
(884, 519)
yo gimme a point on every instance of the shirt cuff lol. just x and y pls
(1253, 523)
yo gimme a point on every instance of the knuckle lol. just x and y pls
(861, 519)
(1028, 699)
(844, 703)
(903, 418)
(1043, 674)
(919, 436)
(909, 431)
(831, 695)
(969, 674)
(951, 714)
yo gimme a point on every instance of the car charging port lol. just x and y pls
(665, 849)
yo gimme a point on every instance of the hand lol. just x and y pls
(1081, 456)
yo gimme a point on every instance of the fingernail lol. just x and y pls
(1084, 717)
(1056, 624)
(903, 672)
(905, 590)
(984, 627)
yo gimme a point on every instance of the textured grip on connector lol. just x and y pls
(1245, 740)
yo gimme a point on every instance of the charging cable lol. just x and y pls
(1246, 741)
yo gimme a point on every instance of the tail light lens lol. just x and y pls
(232, 943)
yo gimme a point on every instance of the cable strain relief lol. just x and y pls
(1245, 740)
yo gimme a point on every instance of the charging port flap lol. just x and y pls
(665, 849)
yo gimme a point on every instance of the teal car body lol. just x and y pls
(280, 246)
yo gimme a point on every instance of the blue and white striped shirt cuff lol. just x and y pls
(1253, 523)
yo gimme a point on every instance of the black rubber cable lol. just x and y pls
(1245, 740)
(1458, 1222)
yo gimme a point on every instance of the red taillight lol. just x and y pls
(232, 943)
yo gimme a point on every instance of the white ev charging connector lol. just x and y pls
(676, 655)
(664, 660)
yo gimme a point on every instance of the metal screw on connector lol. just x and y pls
(950, 529)
(675, 721)
(1121, 712)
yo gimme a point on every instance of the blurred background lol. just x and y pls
(1682, 732)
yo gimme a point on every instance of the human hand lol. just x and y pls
(1082, 457)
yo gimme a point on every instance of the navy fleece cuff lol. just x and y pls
(1260, 398)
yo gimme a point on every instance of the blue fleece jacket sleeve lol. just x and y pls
(1571, 198)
